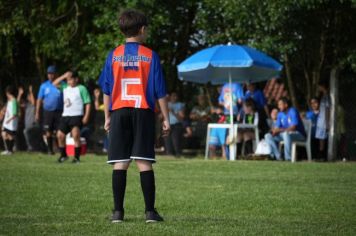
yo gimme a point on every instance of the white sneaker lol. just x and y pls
(6, 153)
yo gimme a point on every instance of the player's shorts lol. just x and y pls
(67, 123)
(131, 135)
(217, 136)
(51, 120)
(11, 132)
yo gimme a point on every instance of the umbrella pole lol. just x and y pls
(232, 146)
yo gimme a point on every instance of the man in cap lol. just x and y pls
(51, 98)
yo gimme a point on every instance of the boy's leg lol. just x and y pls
(147, 183)
(61, 145)
(119, 184)
(77, 145)
(4, 139)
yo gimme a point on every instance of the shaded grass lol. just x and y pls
(196, 197)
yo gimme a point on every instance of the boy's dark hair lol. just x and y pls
(74, 73)
(11, 90)
(285, 100)
(131, 21)
(314, 98)
(250, 103)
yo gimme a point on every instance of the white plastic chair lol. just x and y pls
(307, 143)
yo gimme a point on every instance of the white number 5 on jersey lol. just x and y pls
(130, 97)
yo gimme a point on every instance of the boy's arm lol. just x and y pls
(164, 109)
(57, 81)
(107, 112)
(86, 114)
(32, 99)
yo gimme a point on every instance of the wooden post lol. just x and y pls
(334, 97)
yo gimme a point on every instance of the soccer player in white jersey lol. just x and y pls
(9, 126)
(76, 112)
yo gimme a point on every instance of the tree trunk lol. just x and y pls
(334, 96)
(290, 81)
(40, 66)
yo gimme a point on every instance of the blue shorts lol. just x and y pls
(218, 136)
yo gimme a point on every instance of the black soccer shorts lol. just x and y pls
(131, 135)
(67, 123)
(51, 120)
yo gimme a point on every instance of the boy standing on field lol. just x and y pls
(9, 126)
(132, 80)
(76, 111)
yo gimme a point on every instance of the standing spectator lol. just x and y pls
(29, 112)
(249, 116)
(322, 124)
(51, 98)
(313, 115)
(289, 128)
(76, 112)
(235, 91)
(99, 119)
(9, 126)
(176, 117)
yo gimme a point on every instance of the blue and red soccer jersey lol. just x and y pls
(132, 76)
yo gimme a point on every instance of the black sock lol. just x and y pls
(148, 189)
(77, 152)
(50, 144)
(9, 145)
(118, 188)
(248, 147)
(63, 151)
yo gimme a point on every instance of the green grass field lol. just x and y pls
(196, 197)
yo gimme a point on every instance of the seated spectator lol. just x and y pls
(200, 112)
(248, 116)
(234, 93)
(312, 115)
(218, 135)
(176, 117)
(274, 114)
(289, 127)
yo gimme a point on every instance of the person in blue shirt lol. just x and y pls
(237, 93)
(289, 128)
(50, 98)
(313, 115)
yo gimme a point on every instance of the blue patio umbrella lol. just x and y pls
(222, 64)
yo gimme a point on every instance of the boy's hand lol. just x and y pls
(85, 120)
(68, 74)
(107, 124)
(166, 128)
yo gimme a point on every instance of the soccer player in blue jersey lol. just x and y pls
(132, 80)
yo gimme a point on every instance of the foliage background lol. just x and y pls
(310, 37)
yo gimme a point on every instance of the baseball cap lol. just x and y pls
(51, 69)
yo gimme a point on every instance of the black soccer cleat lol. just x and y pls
(117, 217)
(62, 159)
(153, 216)
(76, 161)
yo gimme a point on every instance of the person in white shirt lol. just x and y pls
(76, 111)
(9, 126)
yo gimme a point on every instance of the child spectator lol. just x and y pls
(29, 113)
(76, 111)
(249, 116)
(9, 125)
(274, 114)
(218, 135)
(313, 115)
